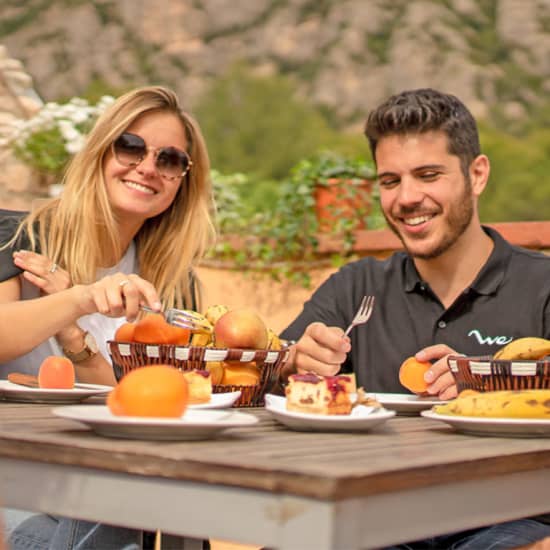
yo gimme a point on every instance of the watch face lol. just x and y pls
(90, 342)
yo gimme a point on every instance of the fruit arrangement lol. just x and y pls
(234, 345)
(218, 327)
(499, 404)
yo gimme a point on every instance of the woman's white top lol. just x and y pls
(103, 328)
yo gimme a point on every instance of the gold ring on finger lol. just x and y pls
(122, 283)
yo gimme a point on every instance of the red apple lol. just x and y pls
(240, 328)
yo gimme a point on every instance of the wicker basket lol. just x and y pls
(488, 374)
(129, 356)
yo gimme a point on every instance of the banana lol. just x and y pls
(273, 341)
(213, 313)
(524, 348)
(201, 338)
(500, 404)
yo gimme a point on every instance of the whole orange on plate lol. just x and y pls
(152, 390)
(56, 373)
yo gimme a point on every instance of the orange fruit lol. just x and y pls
(114, 404)
(125, 332)
(56, 373)
(240, 374)
(179, 336)
(153, 329)
(411, 374)
(152, 390)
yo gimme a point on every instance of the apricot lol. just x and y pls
(152, 390)
(411, 375)
(125, 332)
(240, 328)
(56, 373)
(240, 374)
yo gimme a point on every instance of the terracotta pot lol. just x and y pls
(342, 199)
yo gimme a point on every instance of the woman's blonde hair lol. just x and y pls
(78, 230)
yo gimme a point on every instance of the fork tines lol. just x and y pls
(188, 319)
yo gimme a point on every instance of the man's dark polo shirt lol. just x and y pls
(509, 298)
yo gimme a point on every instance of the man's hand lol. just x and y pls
(441, 381)
(321, 349)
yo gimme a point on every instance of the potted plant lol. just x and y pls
(283, 239)
(342, 188)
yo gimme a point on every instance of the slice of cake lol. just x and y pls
(199, 384)
(310, 393)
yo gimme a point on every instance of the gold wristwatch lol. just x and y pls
(89, 350)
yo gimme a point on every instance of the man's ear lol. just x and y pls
(480, 169)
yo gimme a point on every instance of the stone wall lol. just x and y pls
(18, 100)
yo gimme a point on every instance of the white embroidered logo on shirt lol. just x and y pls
(490, 340)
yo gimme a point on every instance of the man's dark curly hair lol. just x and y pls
(424, 110)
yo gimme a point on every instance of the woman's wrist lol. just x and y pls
(83, 301)
(71, 337)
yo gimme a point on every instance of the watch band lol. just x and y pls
(89, 350)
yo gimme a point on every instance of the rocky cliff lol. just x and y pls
(344, 54)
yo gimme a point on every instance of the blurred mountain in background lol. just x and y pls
(273, 82)
(344, 55)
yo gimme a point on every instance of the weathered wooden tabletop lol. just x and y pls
(406, 479)
(403, 453)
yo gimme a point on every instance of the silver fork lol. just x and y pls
(183, 318)
(363, 313)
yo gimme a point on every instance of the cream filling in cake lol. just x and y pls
(310, 393)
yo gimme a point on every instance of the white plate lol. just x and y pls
(16, 392)
(405, 403)
(192, 425)
(500, 427)
(361, 418)
(218, 401)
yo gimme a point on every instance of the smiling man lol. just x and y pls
(458, 287)
(454, 288)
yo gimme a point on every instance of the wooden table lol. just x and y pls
(407, 479)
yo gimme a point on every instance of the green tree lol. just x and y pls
(518, 187)
(258, 125)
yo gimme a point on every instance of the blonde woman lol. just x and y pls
(133, 219)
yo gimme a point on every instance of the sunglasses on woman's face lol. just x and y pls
(171, 163)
